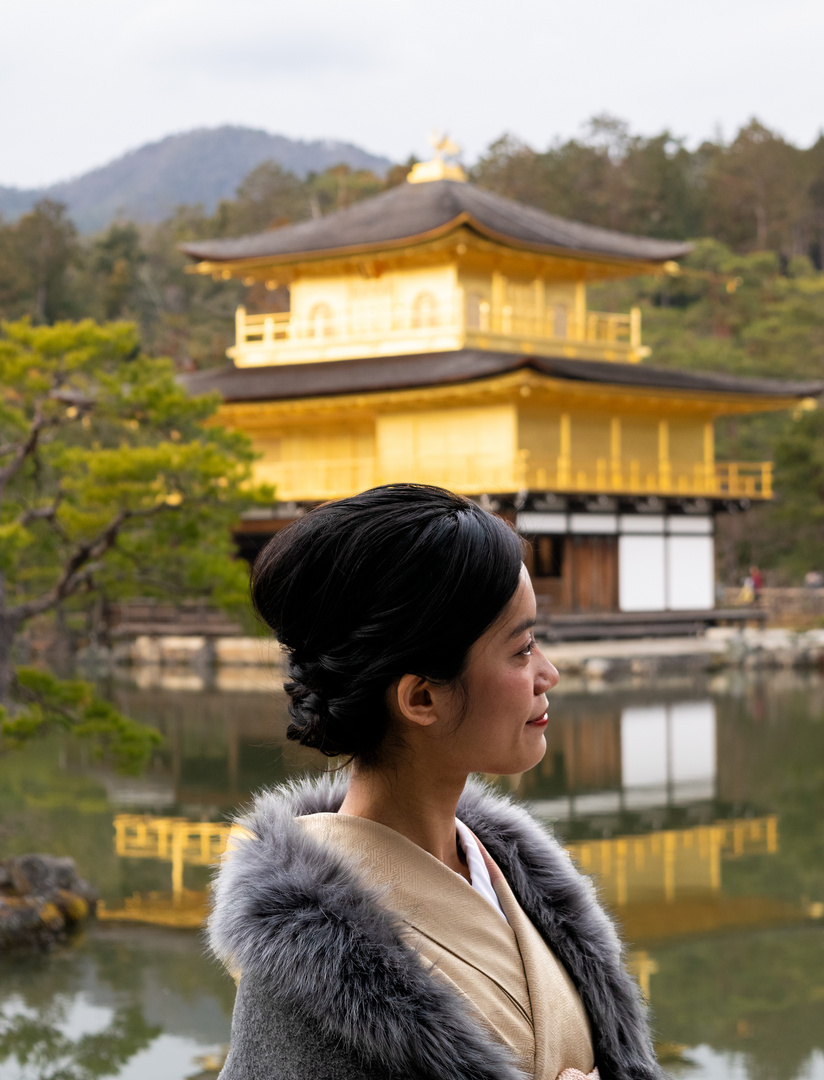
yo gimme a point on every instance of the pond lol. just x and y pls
(697, 806)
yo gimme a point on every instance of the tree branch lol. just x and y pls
(42, 513)
(24, 449)
(77, 570)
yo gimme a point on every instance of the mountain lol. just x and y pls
(201, 166)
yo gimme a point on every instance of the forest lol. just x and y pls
(753, 206)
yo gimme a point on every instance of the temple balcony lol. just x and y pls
(431, 323)
(473, 474)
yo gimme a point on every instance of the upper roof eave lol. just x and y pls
(415, 213)
(635, 264)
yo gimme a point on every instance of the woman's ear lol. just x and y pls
(413, 699)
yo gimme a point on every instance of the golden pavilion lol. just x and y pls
(440, 333)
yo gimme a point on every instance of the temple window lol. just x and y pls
(320, 321)
(560, 319)
(424, 310)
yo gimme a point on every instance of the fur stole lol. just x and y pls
(299, 915)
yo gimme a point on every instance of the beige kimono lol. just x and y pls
(503, 967)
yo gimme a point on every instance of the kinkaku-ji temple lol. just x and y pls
(440, 333)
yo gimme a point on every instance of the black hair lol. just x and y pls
(401, 579)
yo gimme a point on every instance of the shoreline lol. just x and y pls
(250, 662)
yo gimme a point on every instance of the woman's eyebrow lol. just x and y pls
(524, 624)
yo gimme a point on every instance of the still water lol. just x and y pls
(698, 808)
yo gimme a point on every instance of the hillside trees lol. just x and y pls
(609, 178)
(113, 481)
(37, 254)
(755, 193)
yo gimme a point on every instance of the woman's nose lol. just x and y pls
(547, 677)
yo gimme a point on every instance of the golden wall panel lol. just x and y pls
(591, 445)
(469, 449)
(639, 450)
(539, 434)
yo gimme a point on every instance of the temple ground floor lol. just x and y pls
(600, 566)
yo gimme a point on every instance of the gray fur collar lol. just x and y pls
(298, 914)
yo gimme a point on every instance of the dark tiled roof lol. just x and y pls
(288, 381)
(411, 211)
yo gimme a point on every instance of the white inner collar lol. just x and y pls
(481, 881)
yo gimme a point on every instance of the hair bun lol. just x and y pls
(308, 706)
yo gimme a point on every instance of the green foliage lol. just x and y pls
(797, 519)
(114, 482)
(38, 255)
(609, 178)
(122, 483)
(46, 702)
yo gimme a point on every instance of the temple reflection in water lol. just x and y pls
(638, 789)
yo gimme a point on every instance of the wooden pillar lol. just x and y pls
(669, 867)
(615, 451)
(565, 451)
(458, 315)
(498, 299)
(539, 322)
(178, 840)
(635, 328)
(766, 479)
(709, 456)
(580, 310)
(664, 468)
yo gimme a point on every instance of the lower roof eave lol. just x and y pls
(429, 371)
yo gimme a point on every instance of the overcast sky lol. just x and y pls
(82, 81)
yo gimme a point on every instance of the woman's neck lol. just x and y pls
(420, 807)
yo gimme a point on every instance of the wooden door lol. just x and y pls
(590, 578)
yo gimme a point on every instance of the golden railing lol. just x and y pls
(331, 478)
(733, 479)
(358, 322)
(370, 326)
(336, 477)
(603, 327)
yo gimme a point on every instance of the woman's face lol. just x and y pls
(498, 726)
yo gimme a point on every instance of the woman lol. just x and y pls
(400, 922)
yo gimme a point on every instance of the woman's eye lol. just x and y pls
(527, 649)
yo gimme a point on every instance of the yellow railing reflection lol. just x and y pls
(675, 861)
(631, 870)
(176, 840)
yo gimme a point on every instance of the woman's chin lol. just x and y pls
(523, 761)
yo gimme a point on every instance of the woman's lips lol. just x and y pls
(539, 721)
